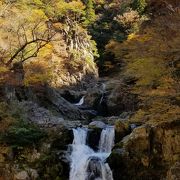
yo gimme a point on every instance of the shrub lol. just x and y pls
(22, 134)
(15, 130)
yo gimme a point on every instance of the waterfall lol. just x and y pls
(106, 140)
(86, 164)
(103, 92)
(81, 101)
(80, 136)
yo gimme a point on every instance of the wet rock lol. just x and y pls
(93, 138)
(94, 169)
(69, 124)
(94, 94)
(97, 124)
(125, 115)
(107, 120)
(138, 139)
(72, 96)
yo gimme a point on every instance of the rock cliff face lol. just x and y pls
(148, 152)
(65, 73)
(67, 70)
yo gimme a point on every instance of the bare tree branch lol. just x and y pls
(36, 52)
(40, 40)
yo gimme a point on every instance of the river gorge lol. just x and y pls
(89, 90)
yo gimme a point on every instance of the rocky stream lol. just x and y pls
(92, 137)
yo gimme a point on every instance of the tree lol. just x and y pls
(23, 35)
(149, 60)
(28, 47)
(90, 12)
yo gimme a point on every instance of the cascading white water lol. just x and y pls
(86, 164)
(81, 101)
(106, 140)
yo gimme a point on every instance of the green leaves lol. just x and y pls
(22, 134)
(90, 12)
(15, 129)
(139, 5)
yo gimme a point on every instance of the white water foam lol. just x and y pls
(86, 164)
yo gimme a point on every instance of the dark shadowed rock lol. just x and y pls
(94, 169)
(66, 109)
(41, 116)
(93, 138)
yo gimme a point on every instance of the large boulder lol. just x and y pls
(97, 124)
(94, 134)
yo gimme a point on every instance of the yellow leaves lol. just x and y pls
(158, 110)
(37, 2)
(37, 72)
(46, 51)
(148, 70)
(162, 109)
(6, 119)
(36, 79)
(147, 54)
(144, 38)
(75, 6)
(59, 8)
(138, 38)
(35, 15)
(3, 69)
(151, 57)
(132, 36)
(113, 46)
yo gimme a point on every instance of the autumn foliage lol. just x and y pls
(151, 57)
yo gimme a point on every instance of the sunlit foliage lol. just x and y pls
(150, 59)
